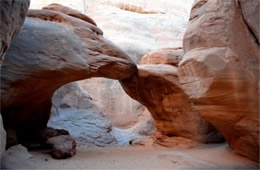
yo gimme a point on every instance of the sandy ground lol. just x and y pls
(138, 157)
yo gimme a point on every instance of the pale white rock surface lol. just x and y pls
(139, 27)
(110, 97)
(17, 156)
(73, 110)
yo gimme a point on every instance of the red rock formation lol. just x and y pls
(12, 15)
(70, 12)
(158, 88)
(170, 56)
(53, 49)
(220, 71)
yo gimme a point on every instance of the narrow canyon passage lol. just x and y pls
(138, 84)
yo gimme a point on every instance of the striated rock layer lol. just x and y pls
(220, 72)
(158, 88)
(53, 49)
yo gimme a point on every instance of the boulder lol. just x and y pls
(158, 88)
(220, 73)
(170, 56)
(12, 15)
(17, 157)
(63, 146)
(53, 49)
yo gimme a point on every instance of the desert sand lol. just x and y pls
(213, 156)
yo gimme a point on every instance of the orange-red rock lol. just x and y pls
(53, 49)
(158, 88)
(220, 72)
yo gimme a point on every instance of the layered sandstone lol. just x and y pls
(220, 71)
(158, 88)
(53, 49)
(137, 27)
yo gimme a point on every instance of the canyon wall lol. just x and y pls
(12, 15)
(206, 90)
(220, 70)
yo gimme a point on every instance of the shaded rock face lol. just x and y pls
(12, 15)
(250, 11)
(74, 110)
(53, 49)
(117, 106)
(158, 88)
(220, 70)
(2, 138)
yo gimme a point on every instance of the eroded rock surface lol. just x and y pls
(73, 109)
(170, 56)
(113, 101)
(12, 15)
(220, 72)
(158, 88)
(137, 27)
(53, 49)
